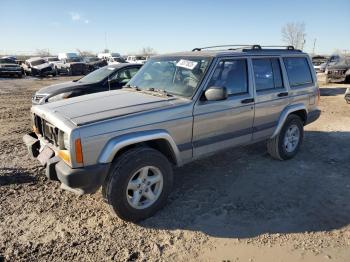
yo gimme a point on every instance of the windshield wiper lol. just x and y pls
(159, 91)
(136, 88)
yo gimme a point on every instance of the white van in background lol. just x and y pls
(137, 59)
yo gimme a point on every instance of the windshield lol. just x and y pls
(38, 62)
(52, 59)
(6, 61)
(91, 59)
(73, 59)
(97, 75)
(175, 75)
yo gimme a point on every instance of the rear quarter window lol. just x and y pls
(298, 71)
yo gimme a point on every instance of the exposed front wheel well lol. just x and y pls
(160, 145)
(302, 114)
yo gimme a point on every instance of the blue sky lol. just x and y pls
(167, 26)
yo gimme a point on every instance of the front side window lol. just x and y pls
(124, 75)
(175, 75)
(38, 62)
(298, 71)
(231, 74)
(98, 75)
(267, 74)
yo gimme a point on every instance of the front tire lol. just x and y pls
(287, 143)
(138, 184)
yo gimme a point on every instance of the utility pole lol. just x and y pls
(313, 49)
(106, 47)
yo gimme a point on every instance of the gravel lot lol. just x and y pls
(240, 205)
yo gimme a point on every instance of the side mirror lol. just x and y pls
(216, 93)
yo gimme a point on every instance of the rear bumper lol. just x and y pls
(312, 116)
(83, 180)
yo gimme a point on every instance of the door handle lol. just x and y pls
(282, 94)
(247, 101)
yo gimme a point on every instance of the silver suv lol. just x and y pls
(176, 109)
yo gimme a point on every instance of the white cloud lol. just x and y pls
(75, 16)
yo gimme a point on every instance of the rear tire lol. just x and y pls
(127, 188)
(285, 145)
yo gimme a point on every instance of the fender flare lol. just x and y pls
(115, 144)
(285, 113)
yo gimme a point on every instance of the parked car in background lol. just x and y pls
(339, 71)
(115, 60)
(317, 61)
(136, 59)
(71, 64)
(94, 63)
(107, 55)
(9, 67)
(177, 108)
(52, 59)
(347, 95)
(106, 78)
(38, 66)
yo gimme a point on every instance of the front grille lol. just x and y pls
(336, 72)
(47, 130)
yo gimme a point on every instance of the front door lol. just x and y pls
(226, 123)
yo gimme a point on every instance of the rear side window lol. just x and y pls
(267, 74)
(298, 71)
(231, 74)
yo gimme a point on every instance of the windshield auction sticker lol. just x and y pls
(186, 64)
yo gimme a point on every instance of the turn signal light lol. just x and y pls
(78, 151)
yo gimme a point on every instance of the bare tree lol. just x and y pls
(84, 53)
(42, 52)
(294, 34)
(148, 51)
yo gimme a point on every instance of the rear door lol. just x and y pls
(271, 95)
(226, 123)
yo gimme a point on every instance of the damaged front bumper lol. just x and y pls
(82, 180)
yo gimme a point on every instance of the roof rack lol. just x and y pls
(248, 47)
(217, 46)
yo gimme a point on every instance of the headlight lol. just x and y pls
(59, 97)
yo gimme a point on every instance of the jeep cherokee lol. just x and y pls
(177, 108)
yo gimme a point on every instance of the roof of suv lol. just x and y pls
(243, 50)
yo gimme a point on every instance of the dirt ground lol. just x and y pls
(239, 205)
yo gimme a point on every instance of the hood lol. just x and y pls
(42, 66)
(58, 88)
(106, 105)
